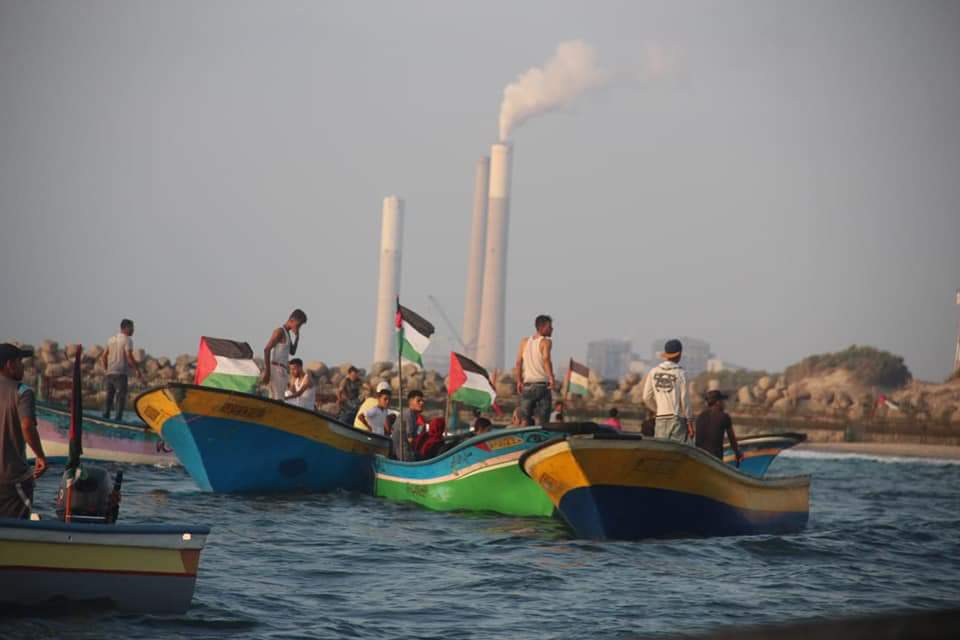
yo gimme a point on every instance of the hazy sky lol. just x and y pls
(792, 186)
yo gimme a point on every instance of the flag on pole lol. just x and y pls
(469, 383)
(413, 335)
(76, 416)
(226, 364)
(578, 378)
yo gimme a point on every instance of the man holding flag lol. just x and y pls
(413, 338)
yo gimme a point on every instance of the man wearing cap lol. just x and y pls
(18, 426)
(369, 403)
(665, 390)
(712, 424)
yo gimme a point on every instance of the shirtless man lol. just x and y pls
(282, 344)
(534, 373)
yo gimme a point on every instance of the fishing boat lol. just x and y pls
(628, 487)
(105, 440)
(479, 474)
(234, 442)
(84, 556)
(760, 451)
(141, 568)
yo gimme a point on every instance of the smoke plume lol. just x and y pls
(571, 71)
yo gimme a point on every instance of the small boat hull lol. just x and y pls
(631, 488)
(232, 442)
(136, 568)
(480, 474)
(103, 440)
(760, 451)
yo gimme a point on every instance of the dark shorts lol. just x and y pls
(535, 403)
(11, 502)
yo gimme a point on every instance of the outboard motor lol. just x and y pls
(95, 497)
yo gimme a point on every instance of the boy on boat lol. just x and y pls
(117, 361)
(713, 424)
(375, 418)
(348, 395)
(301, 392)
(18, 427)
(665, 390)
(534, 373)
(410, 427)
(282, 344)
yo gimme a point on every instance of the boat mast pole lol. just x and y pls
(403, 434)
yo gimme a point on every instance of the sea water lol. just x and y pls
(883, 535)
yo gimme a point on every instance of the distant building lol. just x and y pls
(610, 359)
(716, 365)
(696, 354)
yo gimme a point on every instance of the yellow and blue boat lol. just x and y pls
(233, 442)
(141, 568)
(628, 488)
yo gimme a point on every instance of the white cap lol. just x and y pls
(383, 385)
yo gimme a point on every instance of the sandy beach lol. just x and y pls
(899, 449)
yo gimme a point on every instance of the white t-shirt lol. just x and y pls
(117, 348)
(377, 419)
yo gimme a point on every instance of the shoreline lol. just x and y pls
(892, 449)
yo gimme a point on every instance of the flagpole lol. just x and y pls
(403, 435)
(566, 387)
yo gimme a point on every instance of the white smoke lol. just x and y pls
(571, 71)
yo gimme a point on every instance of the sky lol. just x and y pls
(790, 185)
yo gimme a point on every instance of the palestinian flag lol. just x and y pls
(226, 364)
(578, 378)
(413, 335)
(469, 383)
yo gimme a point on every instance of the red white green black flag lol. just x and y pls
(413, 335)
(469, 383)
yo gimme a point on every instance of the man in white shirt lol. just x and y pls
(300, 389)
(118, 361)
(375, 418)
(665, 391)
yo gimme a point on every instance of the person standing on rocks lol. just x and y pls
(665, 390)
(282, 344)
(117, 361)
(348, 395)
(713, 424)
(18, 426)
(534, 373)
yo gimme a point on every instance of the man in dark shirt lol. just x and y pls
(712, 424)
(413, 422)
(18, 427)
(348, 395)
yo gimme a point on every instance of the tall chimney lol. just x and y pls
(391, 240)
(478, 235)
(490, 347)
(956, 355)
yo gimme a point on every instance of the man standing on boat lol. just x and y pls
(282, 344)
(665, 390)
(713, 424)
(18, 426)
(348, 395)
(411, 426)
(117, 361)
(534, 373)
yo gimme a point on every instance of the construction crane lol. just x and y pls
(446, 320)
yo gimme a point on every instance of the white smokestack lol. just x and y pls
(571, 71)
(391, 239)
(490, 342)
(478, 234)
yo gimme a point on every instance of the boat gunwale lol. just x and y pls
(653, 444)
(114, 424)
(469, 442)
(335, 424)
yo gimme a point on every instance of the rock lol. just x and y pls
(409, 370)
(617, 396)
(380, 367)
(94, 352)
(151, 367)
(139, 355)
(782, 404)
(773, 395)
(317, 368)
(163, 362)
(183, 360)
(764, 383)
(713, 385)
(955, 418)
(168, 373)
(505, 389)
(781, 383)
(745, 396)
(49, 346)
(594, 377)
(842, 401)
(632, 378)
